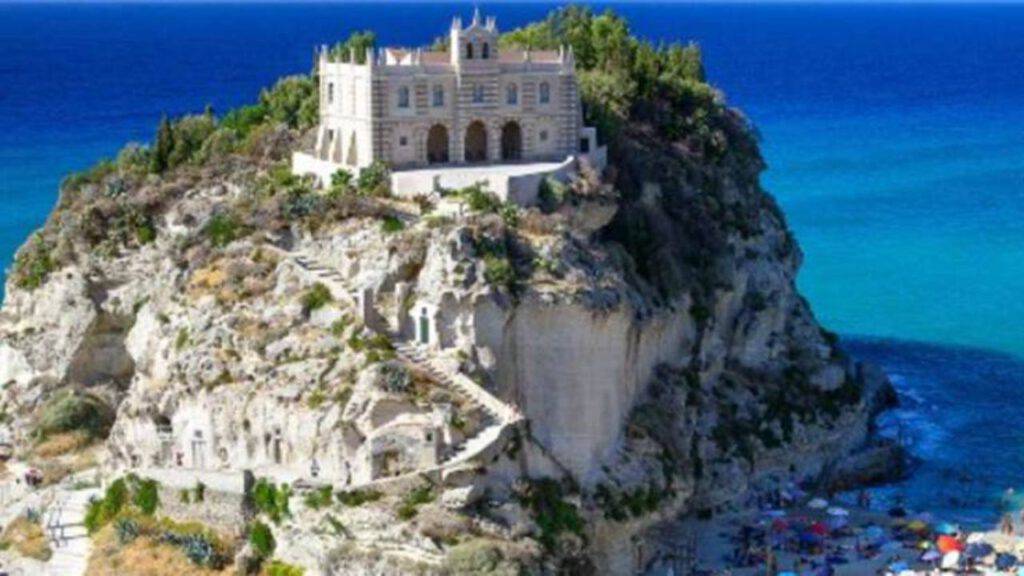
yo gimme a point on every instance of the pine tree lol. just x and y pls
(163, 146)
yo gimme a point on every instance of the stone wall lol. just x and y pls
(222, 511)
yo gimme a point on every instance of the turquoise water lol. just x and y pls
(894, 136)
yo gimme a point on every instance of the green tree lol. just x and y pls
(163, 146)
(357, 44)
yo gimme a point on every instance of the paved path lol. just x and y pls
(68, 538)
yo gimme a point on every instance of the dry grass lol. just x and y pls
(27, 538)
(143, 557)
(61, 444)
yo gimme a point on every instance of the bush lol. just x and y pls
(315, 298)
(391, 225)
(374, 180)
(498, 272)
(33, 264)
(554, 516)
(101, 512)
(272, 500)
(127, 530)
(262, 539)
(319, 498)
(356, 498)
(293, 101)
(223, 229)
(147, 496)
(413, 500)
(74, 411)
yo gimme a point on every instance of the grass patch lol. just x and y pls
(27, 538)
(413, 500)
(315, 298)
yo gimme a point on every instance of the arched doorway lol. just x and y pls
(476, 142)
(437, 145)
(511, 141)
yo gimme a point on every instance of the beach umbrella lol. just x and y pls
(931, 556)
(948, 544)
(978, 550)
(945, 528)
(917, 526)
(1005, 561)
(837, 511)
(817, 504)
(950, 561)
(898, 567)
(837, 523)
(819, 529)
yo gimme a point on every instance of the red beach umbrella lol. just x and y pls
(947, 544)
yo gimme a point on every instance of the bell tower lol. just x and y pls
(475, 45)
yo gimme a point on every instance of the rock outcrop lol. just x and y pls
(565, 378)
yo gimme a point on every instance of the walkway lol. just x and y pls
(65, 526)
(505, 415)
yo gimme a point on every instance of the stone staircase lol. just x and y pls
(65, 527)
(505, 416)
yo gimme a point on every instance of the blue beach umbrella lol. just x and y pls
(945, 528)
(1006, 561)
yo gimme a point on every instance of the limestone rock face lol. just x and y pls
(649, 346)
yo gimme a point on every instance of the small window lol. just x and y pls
(330, 93)
(585, 145)
(430, 436)
(438, 96)
(478, 93)
(543, 135)
(486, 52)
(330, 136)
(403, 97)
(511, 95)
(469, 50)
(545, 93)
(403, 141)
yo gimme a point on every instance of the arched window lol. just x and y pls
(511, 95)
(469, 50)
(486, 51)
(545, 93)
(403, 97)
(330, 92)
(478, 93)
(438, 95)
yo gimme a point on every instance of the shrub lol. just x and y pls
(374, 180)
(147, 496)
(33, 264)
(293, 101)
(223, 229)
(262, 539)
(74, 411)
(272, 500)
(315, 298)
(554, 516)
(319, 498)
(127, 530)
(101, 512)
(498, 272)
(413, 500)
(356, 498)
(341, 183)
(356, 45)
(391, 224)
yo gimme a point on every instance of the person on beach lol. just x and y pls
(1006, 526)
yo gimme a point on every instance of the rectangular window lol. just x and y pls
(585, 145)
(403, 97)
(402, 141)
(478, 93)
(330, 93)
(438, 96)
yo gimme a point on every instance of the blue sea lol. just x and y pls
(894, 136)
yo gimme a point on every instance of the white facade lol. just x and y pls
(472, 104)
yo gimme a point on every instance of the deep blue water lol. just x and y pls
(894, 135)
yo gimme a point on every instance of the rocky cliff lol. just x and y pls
(631, 351)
